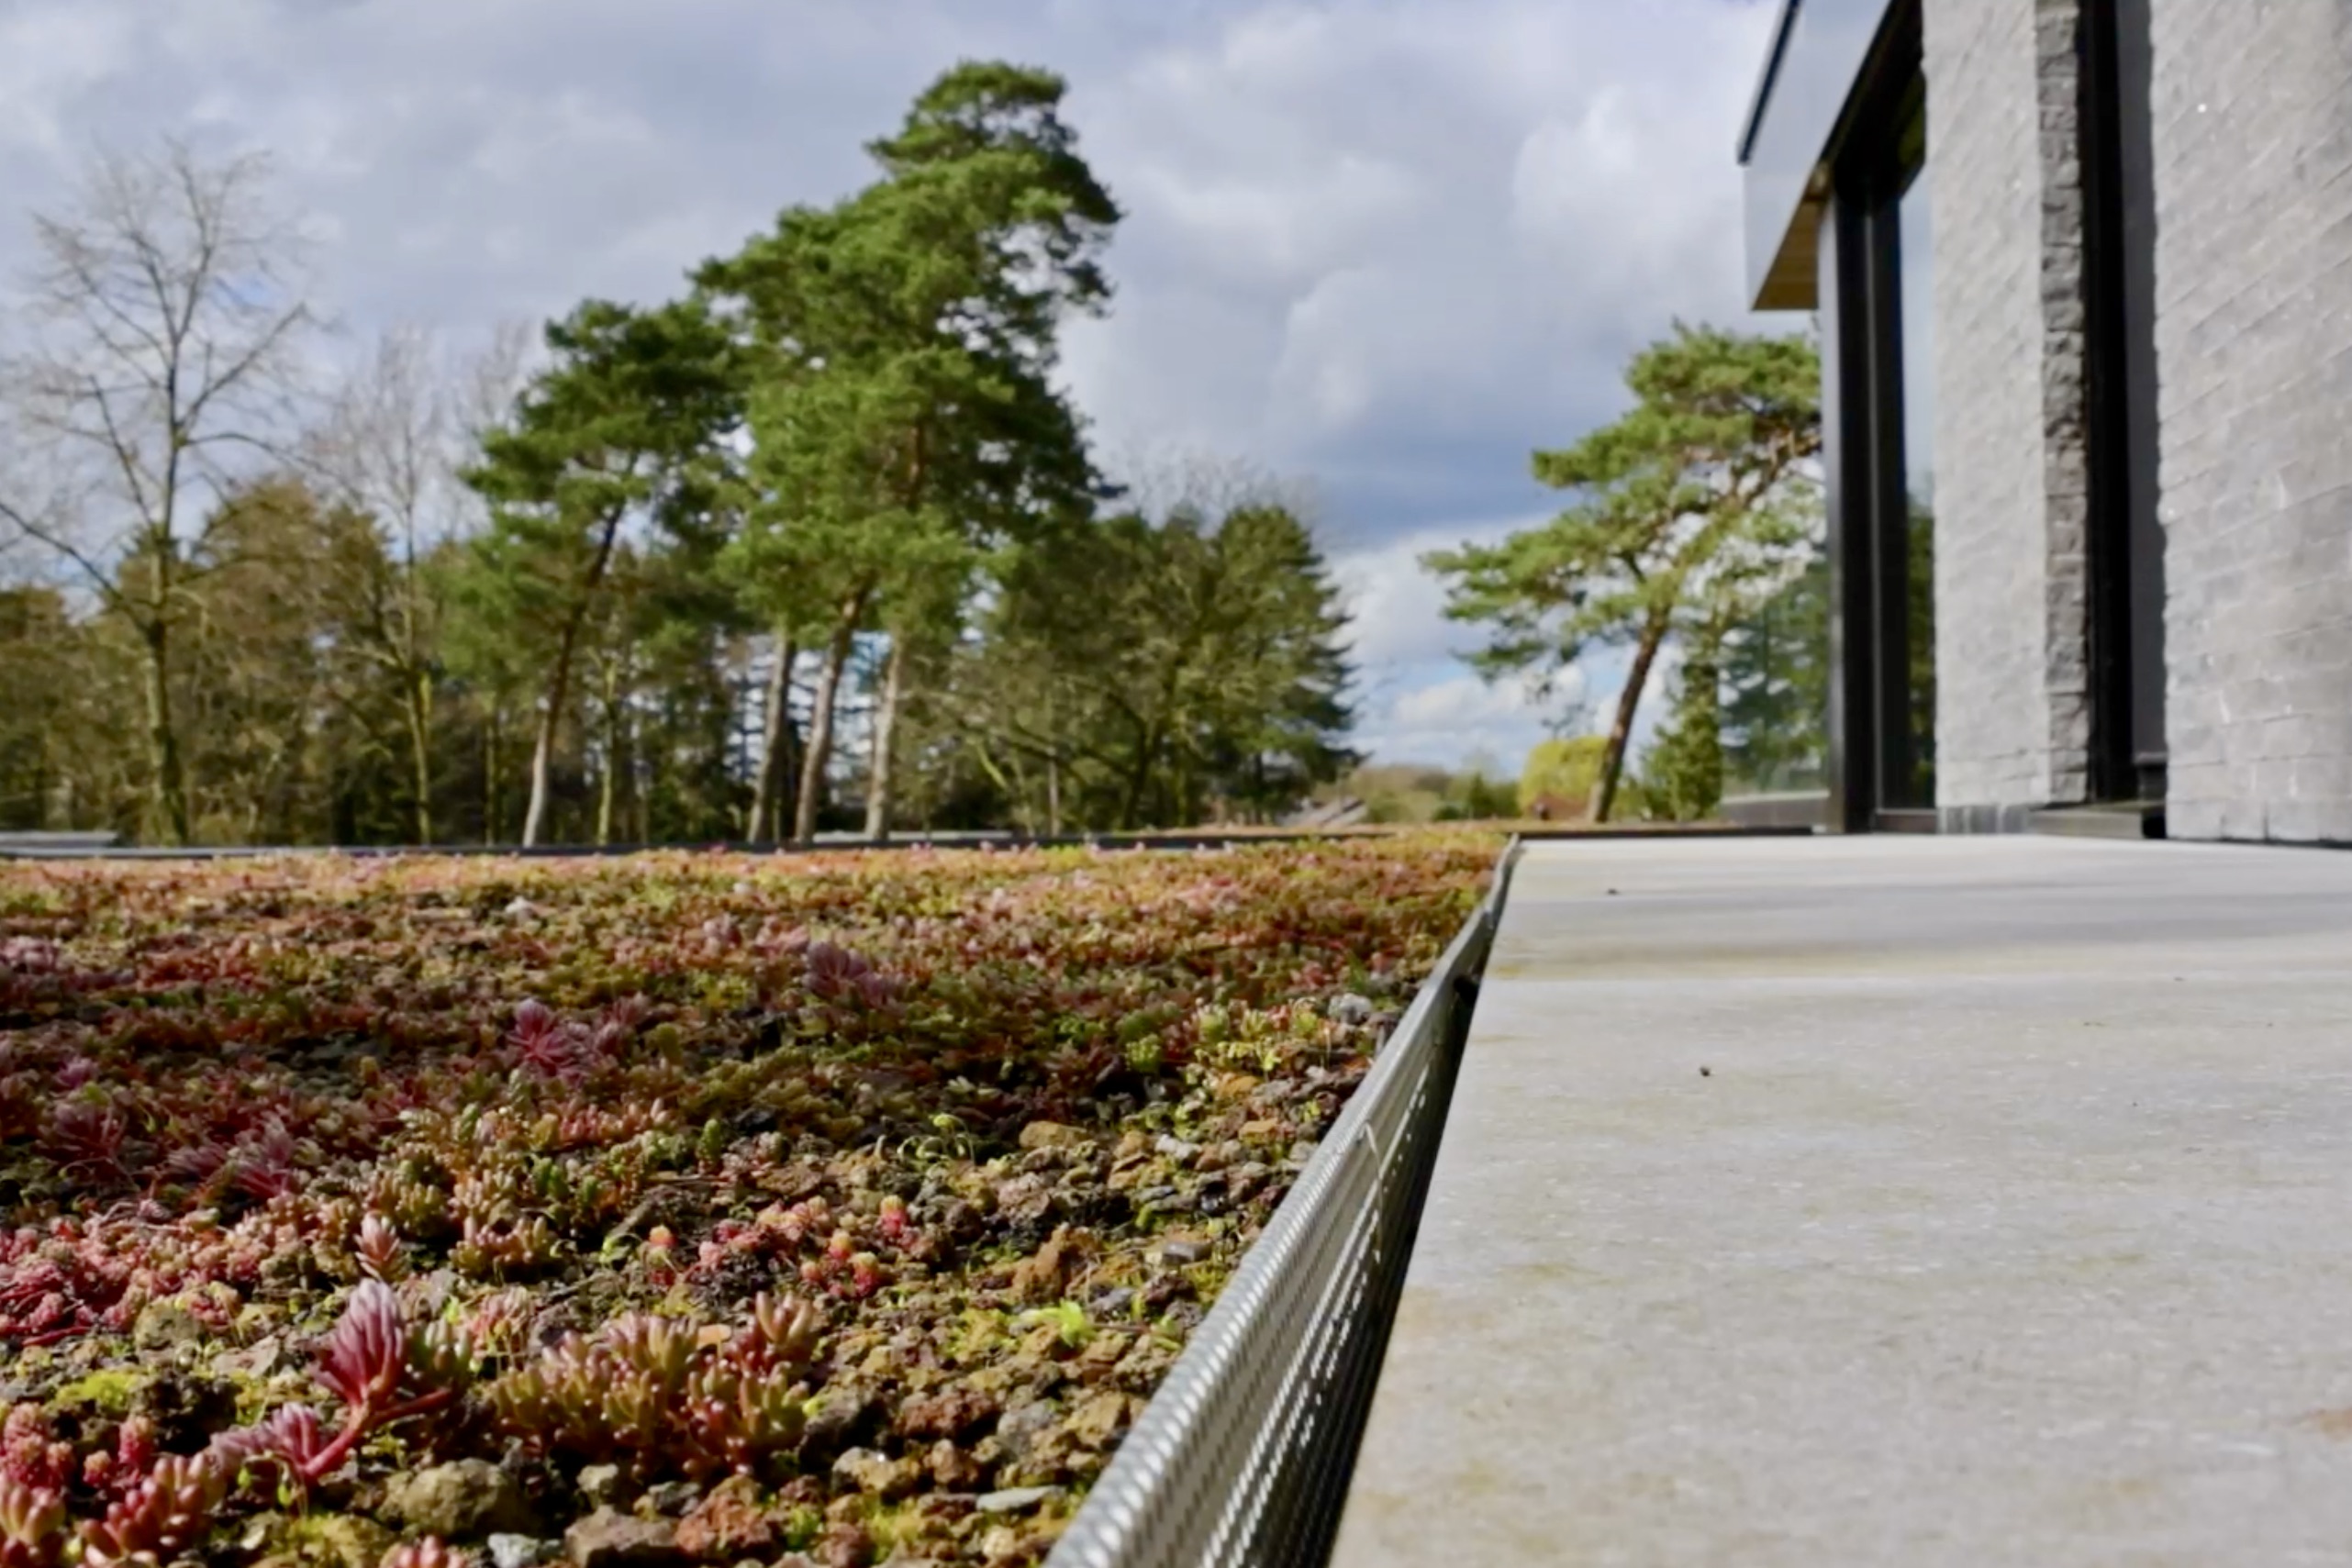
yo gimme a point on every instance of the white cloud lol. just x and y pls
(1399, 607)
(50, 55)
(1459, 717)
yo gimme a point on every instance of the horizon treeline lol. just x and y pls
(818, 544)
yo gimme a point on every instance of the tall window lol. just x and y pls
(1878, 344)
(1916, 294)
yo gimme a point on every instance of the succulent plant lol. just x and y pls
(30, 1454)
(379, 1369)
(379, 1249)
(269, 1164)
(168, 1513)
(835, 974)
(660, 1396)
(32, 1525)
(430, 1552)
(133, 1456)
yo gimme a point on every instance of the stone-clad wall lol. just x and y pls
(2013, 726)
(2251, 111)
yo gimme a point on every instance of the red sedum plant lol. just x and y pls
(798, 1201)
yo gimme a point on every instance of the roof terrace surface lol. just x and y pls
(1934, 1201)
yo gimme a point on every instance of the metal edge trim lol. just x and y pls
(1767, 79)
(1113, 1506)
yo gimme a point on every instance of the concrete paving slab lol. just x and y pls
(1920, 1201)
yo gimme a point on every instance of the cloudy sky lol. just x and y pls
(1383, 247)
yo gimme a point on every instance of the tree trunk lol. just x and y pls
(542, 753)
(886, 725)
(1053, 796)
(820, 722)
(494, 804)
(168, 788)
(776, 745)
(1621, 728)
(607, 786)
(420, 750)
(559, 684)
(1139, 778)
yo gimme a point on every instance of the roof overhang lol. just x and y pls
(1818, 57)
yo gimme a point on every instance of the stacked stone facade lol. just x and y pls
(2251, 142)
(2011, 509)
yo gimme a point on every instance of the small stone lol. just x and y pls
(842, 1416)
(730, 1523)
(1040, 1278)
(1021, 1427)
(509, 1551)
(463, 1500)
(522, 910)
(1114, 1302)
(673, 1497)
(1177, 1149)
(1053, 1135)
(1183, 1250)
(870, 1471)
(608, 1540)
(1101, 1418)
(1352, 1009)
(600, 1484)
(845, 1544)
(951, 1412)
(260, 1359)
(952, 1469)
(162, 1325)
(1014, 1499)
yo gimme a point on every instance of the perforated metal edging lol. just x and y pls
(1242, 1458)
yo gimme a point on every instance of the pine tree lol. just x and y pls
(1698, 487)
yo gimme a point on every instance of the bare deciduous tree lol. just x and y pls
(401, 426)
(155, 367)
(1163, 481)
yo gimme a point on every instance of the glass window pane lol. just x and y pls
(1917, 295)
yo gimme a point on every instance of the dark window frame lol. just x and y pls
(2125, 540)
(1874, 767)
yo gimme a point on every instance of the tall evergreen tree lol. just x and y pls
(623, 425)
(905, 419)
(1143, 670)
(1697, 488)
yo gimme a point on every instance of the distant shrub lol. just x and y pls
(1560, 774)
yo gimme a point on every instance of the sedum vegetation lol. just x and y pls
(656, 1210)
